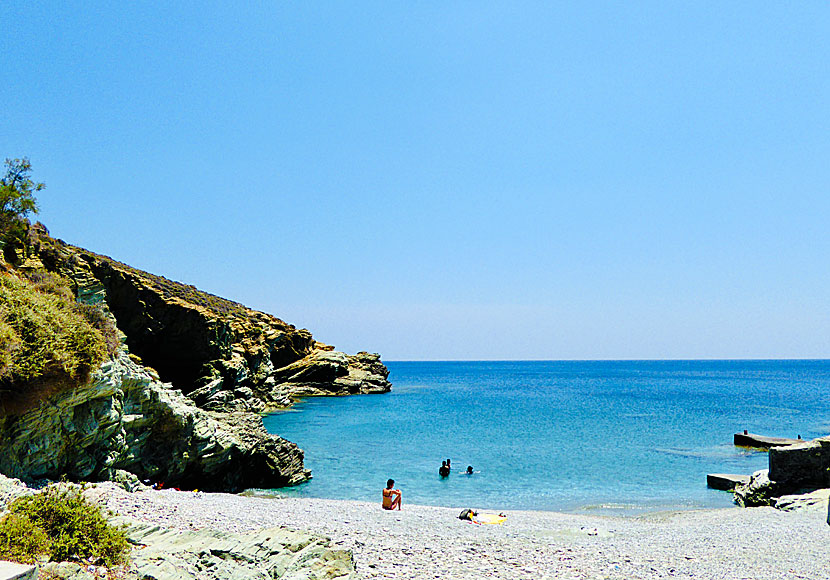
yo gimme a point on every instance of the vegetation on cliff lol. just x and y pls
(46, 341)
(61, 524)
(17, 200)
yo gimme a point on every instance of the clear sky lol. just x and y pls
(448, 180)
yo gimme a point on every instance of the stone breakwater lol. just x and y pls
(793, 470)
(431, 542)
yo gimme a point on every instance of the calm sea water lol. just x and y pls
(609, 436)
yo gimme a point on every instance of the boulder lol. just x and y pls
(11, 489)
(759, 491)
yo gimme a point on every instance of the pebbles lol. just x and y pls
(431, 542)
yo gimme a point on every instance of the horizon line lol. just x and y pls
(611, 360)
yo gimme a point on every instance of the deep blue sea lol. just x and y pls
(598, 436)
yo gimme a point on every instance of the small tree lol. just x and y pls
(17, 199)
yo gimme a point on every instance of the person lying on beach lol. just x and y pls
(479, 518)
(391, 497)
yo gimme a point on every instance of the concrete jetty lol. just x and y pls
(725, 481)
(746, 439)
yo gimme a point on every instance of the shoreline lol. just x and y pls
(431, 542)
(607, 508)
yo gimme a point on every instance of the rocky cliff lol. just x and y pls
(222, 354)
(179, 401)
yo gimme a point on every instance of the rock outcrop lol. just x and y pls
(127, 420)
(223, 355)
(167, 554)
(205, 554)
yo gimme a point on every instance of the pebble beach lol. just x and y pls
(431, 542)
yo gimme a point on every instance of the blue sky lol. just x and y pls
(463, 180)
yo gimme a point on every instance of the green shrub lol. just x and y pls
(100, 321)
(50, 283)
(21, 540)
(75, 528)
(46, 343)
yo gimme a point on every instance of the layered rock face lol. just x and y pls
(127, 420)
(225, 356)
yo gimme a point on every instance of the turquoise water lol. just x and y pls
(602, 436)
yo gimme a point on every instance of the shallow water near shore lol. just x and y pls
(613, 437)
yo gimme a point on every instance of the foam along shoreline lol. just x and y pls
(431, 542)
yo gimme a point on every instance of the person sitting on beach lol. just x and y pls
(444, 471)
(391, 497)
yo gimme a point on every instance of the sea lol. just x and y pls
(608, 437)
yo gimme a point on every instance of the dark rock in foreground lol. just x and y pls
(805, 464)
